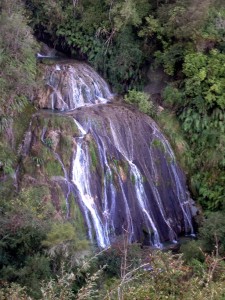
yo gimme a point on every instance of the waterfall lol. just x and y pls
(81, 178)
(71, 86)
(123, 170)
(181, 192)
(142, 201)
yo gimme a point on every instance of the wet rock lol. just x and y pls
(113, 159)
(71, 85)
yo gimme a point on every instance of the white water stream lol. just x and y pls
(111, 202)
(81, 178)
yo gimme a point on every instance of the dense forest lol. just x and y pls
(42, 256)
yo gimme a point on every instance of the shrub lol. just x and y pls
(141, 101)
(192, 251)
(212, 233)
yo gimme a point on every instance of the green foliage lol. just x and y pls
(210, 187)
(38, 161)
(6, 190)
(212, 233)
(64, 244)
(59, 288)
(77, 217)
(197, 97)
(171, 57)
(21, 123)
(17, 83)
(123, 65)
(103, 32)
(214, 29)
(151, 27)
(58, 138)
(129, 12)
(48, 142)
(26, 231)
(36, 268)
(158, 144)
(141, 101)
(118, 38)
(160, 276)
(33, 199)
(173, 96)
(17, 61)
(205, 78)
(172, 129)
(192, 251)
(64, 123)
(113, 258)
(14, 291)
(21, 234)
(60, 233)
(93, 154)
(7, 158)
(203, 125)
(62, 287)
(166, 276)
(53, 168)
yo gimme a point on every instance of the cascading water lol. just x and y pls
(143, 200)
(72, 86)
(81, 177)
(123, 170)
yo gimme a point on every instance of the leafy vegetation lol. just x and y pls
(199, 105)
(17, 61)
(141, 101)
(159, 275)
(17, 80)
(105, 32)
(42, 251)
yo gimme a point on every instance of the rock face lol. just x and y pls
(116, 164)
(157, 81)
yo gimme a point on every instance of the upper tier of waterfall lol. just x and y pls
(69, 86)
(121, 171)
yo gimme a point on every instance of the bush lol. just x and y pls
(212, 233)
(141, 101)
(192, 251)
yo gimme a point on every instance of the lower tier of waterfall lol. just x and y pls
(119, 168)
